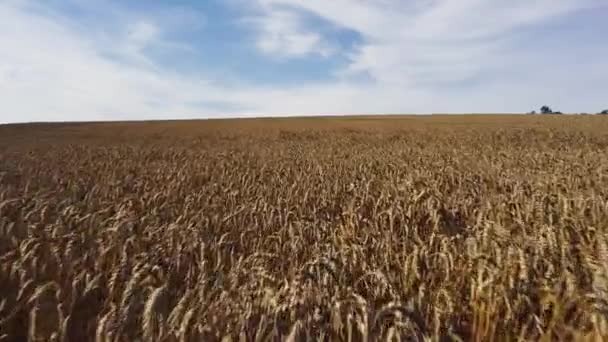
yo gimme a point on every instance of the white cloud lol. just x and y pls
(51, 72)
(442, 47)
(421, 42)
(283, 34)
(142, 33)
(422, 56)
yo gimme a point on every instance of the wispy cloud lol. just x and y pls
(466, 55)
(53, 72)
(282, 33)
(416, 56)
(424, 42)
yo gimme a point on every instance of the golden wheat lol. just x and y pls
(426, 229)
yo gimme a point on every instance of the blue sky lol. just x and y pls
(130, 59)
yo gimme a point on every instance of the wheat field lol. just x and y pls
(434, 228)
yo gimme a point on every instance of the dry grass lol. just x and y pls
(434, 228)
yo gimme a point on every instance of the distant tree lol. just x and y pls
(557, 113)
(546, 110)
(532, 112)
(604, 112)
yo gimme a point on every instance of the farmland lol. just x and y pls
(363, 228)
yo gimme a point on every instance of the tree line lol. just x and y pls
(547, 110)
